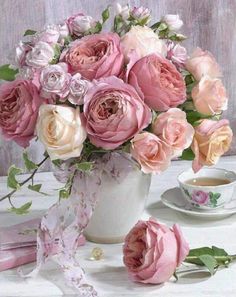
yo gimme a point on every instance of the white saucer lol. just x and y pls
(174, 199)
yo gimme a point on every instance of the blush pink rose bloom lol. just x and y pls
(200, 197)
(209, 96)
(19, 105)
(177, 54)
(152, 251)
(202, 63)
(211, 140)
(114, 113)
(159, 81)
(152, 153)
(96, 56)
(172, 127)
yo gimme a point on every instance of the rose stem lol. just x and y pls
(25, 181)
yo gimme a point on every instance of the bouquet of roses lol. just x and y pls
(80, 90)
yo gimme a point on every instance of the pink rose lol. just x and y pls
(96, 56)
(19, 105)
(202, 63)
(114, 113)
(78, 89)
(177, 54)
(211, 140)
(159, 81)
(55, 81)
(152, 153)
(50, 35)
(172, 127)
(79, 24)
(200, 197)
(209, 96)
(21, 51)
(152, 251)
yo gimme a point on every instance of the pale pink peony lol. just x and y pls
(152, 251)
(211, 140)
(19, 105)
(159, 81)
(152, 153)
(114, 113)
(209, 96)
(95, 56)
(172, 127)
(202, 63)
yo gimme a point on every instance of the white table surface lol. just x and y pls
(108, 275)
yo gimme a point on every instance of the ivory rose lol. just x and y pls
(40, 55)
(152, 251)
(60, 129)
(114, 113)
(159, 81)
(173, 22)
(202, 63)
(95, 56)
(55, 81)
(211, 140)
(19, 105)
(144, 41)
(172, 127)
(209, 96)
(152, 153)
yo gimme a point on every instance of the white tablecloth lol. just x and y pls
(108, 275)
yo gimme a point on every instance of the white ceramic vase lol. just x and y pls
(120, 206)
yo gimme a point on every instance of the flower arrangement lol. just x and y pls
(81, 90)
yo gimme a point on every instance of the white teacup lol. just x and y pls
(205, 196)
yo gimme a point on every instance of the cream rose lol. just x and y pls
(144, 41)
(209, 96)
(211, 140)
(60, 129)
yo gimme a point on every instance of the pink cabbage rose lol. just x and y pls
(95, 56)
(159, 81)
(200, 197)
(211, 140)
(152, 251)
(209, 96)
(114, 113)
(172, 127)
(19, 105)
(202, 63)
(152, 153)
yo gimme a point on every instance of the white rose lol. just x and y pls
(49, 35)
(40, 55)
(173, 21)
(60, 129)
(144, 41)
(78, 89)
(81, 24)
(55, 81)
(123, 11)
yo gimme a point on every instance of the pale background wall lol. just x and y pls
(210, 24)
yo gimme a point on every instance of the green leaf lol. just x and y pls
(194, 254)
(96, 29)
(209, 262)
(30, 165)
(24, 209)
(85, 166)
(155, 26)
(216, 196)
(162, 27)
(193, 117)
(6, 73)
(118, 23)
(29, 32)
(36, 188)
(64, 193)
(11, 179)
(188, 154)
(57, 53)
(177, 37)
(105, 15)
(219, 252)
(57, 162)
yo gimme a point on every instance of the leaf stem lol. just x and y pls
(8, 196)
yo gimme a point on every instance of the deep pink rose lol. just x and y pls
(159, 81)
(152, 251)
(96, 56)
(114, 113)
(19, 105)
(200, 197)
